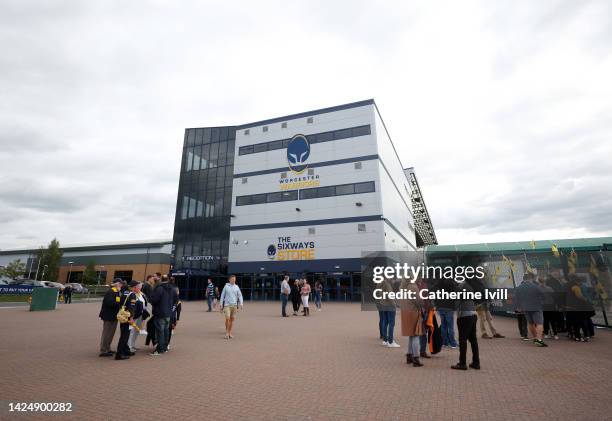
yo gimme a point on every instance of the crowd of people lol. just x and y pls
(544, 307)
(547, 305)
(127, 305)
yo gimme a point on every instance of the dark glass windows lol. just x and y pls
(312, 139)
(318, 192)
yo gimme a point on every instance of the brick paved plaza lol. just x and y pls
(328, 366)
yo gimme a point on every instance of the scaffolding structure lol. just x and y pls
(425, 235)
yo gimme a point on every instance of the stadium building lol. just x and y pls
(305, 194)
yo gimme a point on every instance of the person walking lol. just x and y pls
(68, 294)
(305, 294)
(412, 323)
(530, 299)
(318, 294)
(111, 303)
(231, 301)
(285, 290)
(164, 297)
(295, 296)
(210, 294)
(466, 325)
(128, 303)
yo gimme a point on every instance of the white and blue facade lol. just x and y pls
(310, 193)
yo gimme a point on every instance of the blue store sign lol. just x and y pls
(16, 289)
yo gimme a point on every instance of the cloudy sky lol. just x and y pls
(504, 108)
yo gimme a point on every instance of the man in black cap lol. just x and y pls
(108, 313)
(128, 300)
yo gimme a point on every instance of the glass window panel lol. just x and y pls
(260, 147)
(274, 197)
(277, 144)
(199, 209)
(326, 191)
(196, 158)
(207, 135)
(367, 187)
(222, 153)
(199, 133)
(214, 155)
(243, 200)
(325, 137)
(184, 207)
(361, 131)
(192, 207)
(215, 134)
(224, 133)
(345, 189)
(219, 203)
(286, 142)
(342, 134)
(290, 195)
(190, 137)
(257, 199)
(308, 194)
(189, 160)
(227, 201)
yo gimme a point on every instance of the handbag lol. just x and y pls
(123, 316)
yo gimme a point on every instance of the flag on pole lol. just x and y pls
(571, 262)
(509, 262)
(532, 243)
(593, 269)
(555, 251)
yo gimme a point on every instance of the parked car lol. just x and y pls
(78, 288)
(50, 284)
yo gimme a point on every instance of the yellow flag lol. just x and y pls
(555, 251)
(571, 262)
(509, 262)
(497, 271)
(533, 244)
(528, 266)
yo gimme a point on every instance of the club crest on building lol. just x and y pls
(271, 251)
(298, 152)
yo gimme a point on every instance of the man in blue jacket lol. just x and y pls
(164, 297)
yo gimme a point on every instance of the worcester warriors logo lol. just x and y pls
(298, 152)
(271, 251)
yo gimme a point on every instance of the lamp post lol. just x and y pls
(69, 272)
(99, 272)
(42, 278)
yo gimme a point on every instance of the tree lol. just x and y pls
(13, 269)
(90, 276)
(51, 256)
